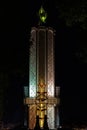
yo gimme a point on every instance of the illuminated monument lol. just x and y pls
(42, 99)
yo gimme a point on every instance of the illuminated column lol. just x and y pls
(50, 63)
(50, 77)
(32, 64)
(32, 78)
(41, 70)
(45, 63)
(41, 55)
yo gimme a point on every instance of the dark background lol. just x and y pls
(17, 18)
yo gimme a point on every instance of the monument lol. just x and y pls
(42, 101)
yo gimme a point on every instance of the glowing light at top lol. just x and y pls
(42, 15)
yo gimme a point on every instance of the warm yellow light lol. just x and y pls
(41, 86)
(42, 115)
(41, 123)
(41, 105)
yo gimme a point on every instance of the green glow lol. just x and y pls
(42, 15)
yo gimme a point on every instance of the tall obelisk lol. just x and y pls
(41, 100)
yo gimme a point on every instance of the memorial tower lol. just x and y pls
(42, 100)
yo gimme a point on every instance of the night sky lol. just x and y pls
(17, 18)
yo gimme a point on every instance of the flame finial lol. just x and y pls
(42, 15)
